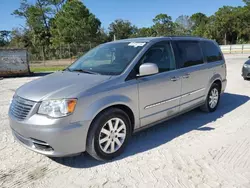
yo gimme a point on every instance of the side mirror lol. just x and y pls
(148, 69)
(249, 57)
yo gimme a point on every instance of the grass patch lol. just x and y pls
(47, 68)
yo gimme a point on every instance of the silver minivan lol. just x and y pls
(114, 90)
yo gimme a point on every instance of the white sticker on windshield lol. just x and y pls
(136, 44)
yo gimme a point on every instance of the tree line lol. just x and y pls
(52, 23)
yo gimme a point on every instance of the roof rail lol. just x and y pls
(187, 36)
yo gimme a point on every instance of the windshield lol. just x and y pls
(107, 59)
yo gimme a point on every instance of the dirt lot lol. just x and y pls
(194, 150)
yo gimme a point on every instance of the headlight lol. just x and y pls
(246, 65)
(57, 108)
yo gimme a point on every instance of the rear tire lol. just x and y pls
(109, 134)
(212, 100)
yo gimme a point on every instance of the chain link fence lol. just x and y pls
(62, 55)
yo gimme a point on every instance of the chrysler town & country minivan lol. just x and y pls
(114, 90)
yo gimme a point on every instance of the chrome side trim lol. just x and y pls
(173, 99)
(173, 107)
(162, 102)
(193, 92)
(167, 118)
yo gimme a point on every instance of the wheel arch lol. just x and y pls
(122, 107)
(215, 79)
(219, 83)
(120, 102)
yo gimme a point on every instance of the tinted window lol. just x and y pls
(160, 54)
(188, 53)
(211, 52)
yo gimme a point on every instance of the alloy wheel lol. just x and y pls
(213, 98)
(112, 135)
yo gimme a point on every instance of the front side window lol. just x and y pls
(188, 53)
(160, 54)
(108, 59)
(211, 51)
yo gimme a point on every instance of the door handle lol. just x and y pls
(186, 75)
(174, 79)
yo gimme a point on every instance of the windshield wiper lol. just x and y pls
(67, 69)
(84, 71)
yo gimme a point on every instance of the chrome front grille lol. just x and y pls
(20, 108)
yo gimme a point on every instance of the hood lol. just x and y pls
(58, 85)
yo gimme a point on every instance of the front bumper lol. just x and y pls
(51, 137)
(245, 72)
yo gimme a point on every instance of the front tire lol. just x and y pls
(109, 134)
(213, 99)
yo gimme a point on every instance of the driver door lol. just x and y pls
(159, 94)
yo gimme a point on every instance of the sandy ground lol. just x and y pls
(193, 150)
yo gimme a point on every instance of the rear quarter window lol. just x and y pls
(211, 51)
